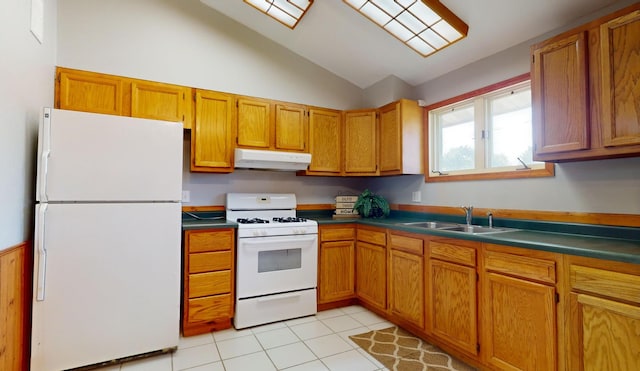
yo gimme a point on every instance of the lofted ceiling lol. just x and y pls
(337, 38)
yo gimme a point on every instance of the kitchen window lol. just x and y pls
(484, 134)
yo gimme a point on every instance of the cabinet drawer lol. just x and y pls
(212, 283)
(612, 284)
(209, 308)
(337, 234)
(374, 237)
(210, 240)
(453, 253)
(210, 261)
(521, 266)
(408, 244)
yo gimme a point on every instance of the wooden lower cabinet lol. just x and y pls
(406, 278)
(208, 284)
(371, 266)
(519, 310)
(452, 296)
(604, 315)
(15, 299)
(336, 263)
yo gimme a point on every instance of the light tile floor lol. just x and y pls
(313, 343)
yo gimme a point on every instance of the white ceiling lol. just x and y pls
(337, 38)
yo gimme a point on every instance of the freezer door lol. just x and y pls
(93, 157)
(106, 282)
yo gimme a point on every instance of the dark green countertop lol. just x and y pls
(595, 241)
(602, 242)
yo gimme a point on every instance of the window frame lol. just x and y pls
(486, 174)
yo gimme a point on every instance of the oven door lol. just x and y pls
(269, 265)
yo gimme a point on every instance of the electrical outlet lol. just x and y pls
(186, 196)
(416, 196)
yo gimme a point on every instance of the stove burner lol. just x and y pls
(251, 221)
(290, 219)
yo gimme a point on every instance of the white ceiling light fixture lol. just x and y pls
(426, 26)
(287, 12)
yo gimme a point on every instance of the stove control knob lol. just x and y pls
(263, 232)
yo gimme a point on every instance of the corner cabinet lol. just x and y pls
(584, 90)
(336, 271)
(208, 290)
(371, 266)
(401, 138)
(212, 133)
(604, 315)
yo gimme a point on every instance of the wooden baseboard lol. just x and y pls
(15, 306)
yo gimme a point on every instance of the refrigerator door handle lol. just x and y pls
(45, 170)
(41, 269)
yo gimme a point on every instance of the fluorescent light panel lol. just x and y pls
(426, 26)
(287, 12)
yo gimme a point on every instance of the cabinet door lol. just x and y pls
(371, 274)
(91, 92)
(519, 324)
(212, 134)
(14, 306)
(337, 276)
(605, 334)
(620, 43)
(325, 144)
(254, 123)
(560, 96)
(406, 286)
(160, 101)
(291, 128)
(361, 149)
(452, 304)
(391, 138)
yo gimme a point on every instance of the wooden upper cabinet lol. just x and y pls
(585, 97)
(401, 138)
(290, 127)
(361, 143)
(92, 92)
(212, 133)
(620, 55)
(560, 95)
(158, 101)
(325, 142)
(254, 123)
(265, 124)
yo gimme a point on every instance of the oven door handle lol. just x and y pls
(278, 297)
(274, 243)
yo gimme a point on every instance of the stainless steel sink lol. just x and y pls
(453, 227)
(432, 225)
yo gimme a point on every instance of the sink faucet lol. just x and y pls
(490, 217)
(468, 210)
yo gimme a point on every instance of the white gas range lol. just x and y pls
(276, 259)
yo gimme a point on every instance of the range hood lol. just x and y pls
(272, 160)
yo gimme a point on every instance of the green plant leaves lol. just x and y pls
(370, 205)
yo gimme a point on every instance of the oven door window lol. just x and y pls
(279, 260)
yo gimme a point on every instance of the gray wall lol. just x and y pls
(185, 42)
(609, 186)
(26, 85)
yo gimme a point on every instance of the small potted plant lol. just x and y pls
(370, 205)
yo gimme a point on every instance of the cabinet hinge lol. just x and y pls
(478, 347)
(477, 277)
(557, 297)
(533, 58)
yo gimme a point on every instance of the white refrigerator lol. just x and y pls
(107, 239)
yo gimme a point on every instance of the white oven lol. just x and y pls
(276, 259)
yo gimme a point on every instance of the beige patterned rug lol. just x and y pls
(398, 350)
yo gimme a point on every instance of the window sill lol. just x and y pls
(547, 171)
